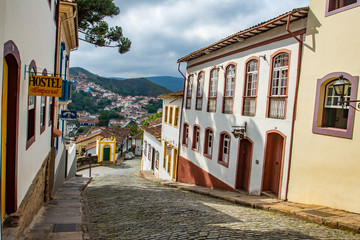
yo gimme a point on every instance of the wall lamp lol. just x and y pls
(239, 131)
(341, 87)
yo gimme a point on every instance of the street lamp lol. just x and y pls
(341, 87)
(239, 131)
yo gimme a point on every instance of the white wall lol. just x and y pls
(146, 161)
(257, 126)
(30, 25)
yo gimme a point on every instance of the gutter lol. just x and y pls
(300, 52)
(180, 123)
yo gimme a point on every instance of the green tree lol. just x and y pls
(91, 14)
(104, 119)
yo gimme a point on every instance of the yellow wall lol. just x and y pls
(325, 170)
(84, 143)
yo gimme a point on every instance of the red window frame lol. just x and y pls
(200, 90)
(186, 135)
(229, 96)
(249, 95)
(31, 112)
(189, 88)
(212, 96)
(222, 146)
(207, 140)
(196, 138)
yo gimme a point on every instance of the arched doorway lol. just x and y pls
(9, 125)
(106, 153)
(274, 154)
(244, 165)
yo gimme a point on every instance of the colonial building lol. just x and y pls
(30, 33)
(172, 104)
(152, 146)
(325, 159)
(239, 99)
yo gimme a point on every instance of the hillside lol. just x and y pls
(132, 87)
(173, 83)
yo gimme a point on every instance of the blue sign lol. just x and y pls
(68, 115)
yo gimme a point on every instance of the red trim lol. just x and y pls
(221, 149)
(12, 56)
(282, 160)
(340, 9)
(187, 92)
(194, 138)
(276, 39)
(197, 90)
(190, 173)
(271, 79)
(31, 140)
(225, 81)
(245, 85)
(186, 129)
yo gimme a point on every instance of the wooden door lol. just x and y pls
(273, 163)
(106, 153)
(244, 165)
(153, 159)
(4, 136)
(174, 170)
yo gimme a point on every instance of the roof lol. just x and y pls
(119, 133)
(295, 14)
(137, 136)
(155, 131)
(154, 122)
(90, 146)
(174, 94)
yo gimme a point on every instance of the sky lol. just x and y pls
(162, 31)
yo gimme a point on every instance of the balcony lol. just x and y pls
(66, 91)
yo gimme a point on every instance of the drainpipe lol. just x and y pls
(180, 123)
(300, 51)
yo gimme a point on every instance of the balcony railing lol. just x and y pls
(66, 91)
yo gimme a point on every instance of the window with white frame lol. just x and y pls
(145, 148)
(335, 115)
(224, 150)
(157, 160)
(229, 89)
(189, 91)
(149, 152)
(186, 134)
(213, 90)
(249, 102)
(199, 91)
(209, 138)
(278, 88)
(42, 114)
(196, 138)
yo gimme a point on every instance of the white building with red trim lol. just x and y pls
(237, 119)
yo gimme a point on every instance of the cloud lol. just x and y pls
(163, 31)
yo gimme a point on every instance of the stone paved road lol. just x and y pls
(124, 206)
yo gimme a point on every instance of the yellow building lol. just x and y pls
(325, 165)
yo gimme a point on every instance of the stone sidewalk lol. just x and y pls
(317, 214)
(62, 217)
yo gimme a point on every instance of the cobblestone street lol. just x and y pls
(123, 206)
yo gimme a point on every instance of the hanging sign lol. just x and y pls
(45, 86)
(68, 115)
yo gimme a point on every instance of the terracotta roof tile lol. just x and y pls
(155, 131)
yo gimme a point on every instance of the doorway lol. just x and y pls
(9, 125)
(244, 165)
(274, 153)
(153, 159)
(106, 154)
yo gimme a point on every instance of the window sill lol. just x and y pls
(42, 129)
(185, 145)
(335, 132)
(338, 10)
(225, 164)
(195, 149)
(208, 156)
(30, 142)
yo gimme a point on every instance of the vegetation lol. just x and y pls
(84, 101)
(152, 117)
(132, 87)
(153, 106)
(133, 127)
(91, 14)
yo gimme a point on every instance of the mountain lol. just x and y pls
(132, 87)
(173, 83)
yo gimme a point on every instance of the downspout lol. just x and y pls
(300, 51)
(180, 123)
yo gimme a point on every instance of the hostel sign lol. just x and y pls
(45, 86)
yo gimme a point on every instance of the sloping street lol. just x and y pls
(120, 205)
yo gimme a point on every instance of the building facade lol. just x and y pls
(151, 146)
(239, 97)
(325, 161)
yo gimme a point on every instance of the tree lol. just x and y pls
(104, 119)
(90, 16)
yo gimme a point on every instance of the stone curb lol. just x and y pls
(334, 218)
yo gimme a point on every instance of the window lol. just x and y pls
(213, 90)
(186, 134)
(51, 100)
(251, 81)
(166, 114)
(169, 162)
(335, 6)
(229, 89)
(31, 114)
(330, 118)
(157, 160)
(176, 117)
(42, 114)
(199, 91)
(171, 115)
(149, 152)
(209, 139)
(196, 138)
(165, 154)
(145, 148)
(278, 88)
(224, 150)
(189, 91)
